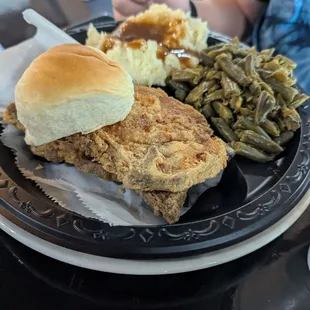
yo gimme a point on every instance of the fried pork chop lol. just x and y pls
(160, 150)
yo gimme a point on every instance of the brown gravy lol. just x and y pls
(183, 55)
(107, 44)
(136, 44)
(167, 33)
(133, 31)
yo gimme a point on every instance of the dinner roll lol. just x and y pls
(70, 89)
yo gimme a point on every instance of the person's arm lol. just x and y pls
(125, 8)
(251, 8)
(224, 16)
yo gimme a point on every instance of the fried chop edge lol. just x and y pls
(165, 204)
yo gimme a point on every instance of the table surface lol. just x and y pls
(275, 277)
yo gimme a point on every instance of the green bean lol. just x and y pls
(214, 53)
(195, 80)
(298, 101)
(224, 112)
(213, 47)
(247, 95)
(168, 79)
(183, 75)
(199, 70)
(239, 132)
(270, 127)
(180, 94)
(272, 65)
(241, 63)
(251, 106)
(223, 129)
(235, 41)
(236, 103)
(280, 123)
(217, 66)
(260, 142)
(266, 54)
(232, 70)
(252, 51)
(210, 75)
(291, 119)
(250, 152)
(285, 61)
(264, 105)
(264, 74)
(249, 67)
(257, 62)
(177, 85)
(280, 101)
(218, 76)
(227, 50)
(255, 88)
(214, 88)
(247, 112)
(237, 60)
(284, 138)
(240, 52)
(281, 75)
(198, 91)
(274, 112)
(288, 93)
(196, 104)
(230, 87)
(206, 59)
(216, 95)
(244, 123)
(265, 86)
(290, 81)
(207, 110)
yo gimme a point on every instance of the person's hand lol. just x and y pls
(126, 8)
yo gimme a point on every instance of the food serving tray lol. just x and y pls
(249, 199)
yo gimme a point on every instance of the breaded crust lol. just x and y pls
(162, 145)
(160, 150)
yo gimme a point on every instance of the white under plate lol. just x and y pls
(159, 266)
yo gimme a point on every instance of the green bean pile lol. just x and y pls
(247, 96)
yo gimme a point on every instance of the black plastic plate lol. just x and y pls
(250, 198)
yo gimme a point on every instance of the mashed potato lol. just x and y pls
(152, 44)
(143, 65)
